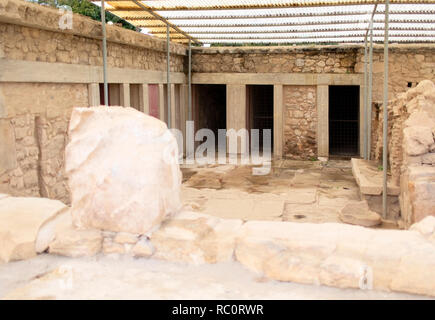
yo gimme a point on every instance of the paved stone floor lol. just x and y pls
(301, 191)
(55, 277)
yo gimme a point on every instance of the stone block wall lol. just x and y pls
(411, 149)
(274, 60)
(31, 32)
(34, 117)
(300, 122)
(408, 65)
(34, 122)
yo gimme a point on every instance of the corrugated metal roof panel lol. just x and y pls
(278, 21)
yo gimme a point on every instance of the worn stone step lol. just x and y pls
(370, 179)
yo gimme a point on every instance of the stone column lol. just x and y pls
(322, 120)
(144, 101)
(94, 94)
(236, 110)
(125, 94)
(278, 116)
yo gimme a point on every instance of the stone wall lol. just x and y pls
(300, 122)
(408, 65)
(34, 121)
(411, 150)
(34, 116)
(327, 59)
(31, 32)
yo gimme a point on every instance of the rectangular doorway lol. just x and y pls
(344, 120)
(259, 108)
(209, 102)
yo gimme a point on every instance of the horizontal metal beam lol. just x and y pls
(274, 24)
(278, 5)
(299, 31)
(282, 15)
(307, 37)
(150, 11)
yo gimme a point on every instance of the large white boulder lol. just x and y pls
(122, 170)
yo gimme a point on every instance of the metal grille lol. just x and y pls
(261, 108)
(343, 120)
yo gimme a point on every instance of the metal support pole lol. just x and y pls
(366, 119)
(168, 79)
(103, 27)
(370, 94)
(385, 126)
(189, 94)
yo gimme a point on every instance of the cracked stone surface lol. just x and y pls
(298, 191)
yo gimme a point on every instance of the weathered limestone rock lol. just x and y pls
(73, 242)
(143, 249)
(196, 238)
(359, 213)
(425, 227)
(411, 150)
(417, 140)
(47, 233)
(125, 237)
(339, 255)
(122, 170)
(111, 247)
(417, 199)
(20, 221)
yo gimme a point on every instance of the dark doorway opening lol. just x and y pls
(209, 107)
(259, 107)
(344, 120)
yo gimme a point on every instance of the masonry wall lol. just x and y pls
(408, 65)
(300, 122)
(275, 60)
(411, 150)
(34, 115)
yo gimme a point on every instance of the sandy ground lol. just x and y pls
(55, 277)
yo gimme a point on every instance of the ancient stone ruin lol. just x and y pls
(127, 186)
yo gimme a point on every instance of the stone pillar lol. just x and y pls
(322, 120)
(94, 94)
(8, 158)
(162, 103)
(144, 101)
(236, 110)
(125, 94)
(278, 116)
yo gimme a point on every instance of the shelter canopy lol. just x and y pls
(279, 21)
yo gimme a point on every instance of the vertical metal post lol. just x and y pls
(189, 79)
(385, 126)
(168, 80)
(370, 94)
(103, 27)
(365, 102)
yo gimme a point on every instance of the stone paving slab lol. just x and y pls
(370, 179)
